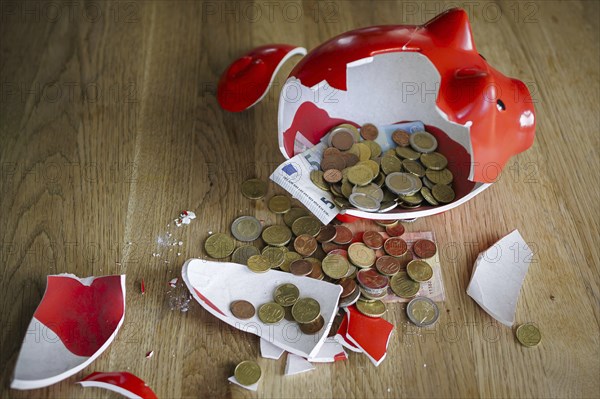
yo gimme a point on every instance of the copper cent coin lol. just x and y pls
(424, 249)
(370, 279)
(330, 246)
(388, 265)
(301, 267)
(350, 159)
(401, 138)
(343, 235)
(313, 327)
(373, 239)
(348, 287)
(242, 309)
(342, 139)
(395, 246)
(332, 175)
(368, 131)
(333, 162)
(305, 245)
(395, 231)
(329, 151)
(326, 234)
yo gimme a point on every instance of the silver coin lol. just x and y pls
(246, 228)
(372, 190)
(364, 202)
(351, 270)
(403, 183)
(351, 300)
(387, 206)
(417, 139)
(243, 253)
(422, 311)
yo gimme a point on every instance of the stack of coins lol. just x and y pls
(360, 175)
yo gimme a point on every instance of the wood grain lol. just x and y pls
(109, 126)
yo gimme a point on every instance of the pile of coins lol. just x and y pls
(286, 304)
(304, 247)
(359, 174)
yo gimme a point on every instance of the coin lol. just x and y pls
(301, 267)
(351, 128)
(413, 199)
(242, 309)
(305, 245)
(386, 223)
(372, 281)
(529, 335)
(348, 287)
(254, 189)
(443, 176)
(335, 266)
(259, 263)
(317, 271)
(286, 294)
(294, 213)
(360, 175)
(364, 151)
(288, 313)
(371, 308)
(219, 246)
(373, 239)
(350, 159)
(395, 246)
(274, 255)
(270, 313)
(404, 286)
(391, 164)
(364, 202)
(419, 270)
(413, 167)
(424, 249)
(372, 190)
(407, 153)
(306, 225)
(388, 265)
(403, 183)
(289, 256)
(426, 194)
(316, 176)
(443, 193)
(368, 131)
(326, 234)
(361, 255)
(243, 253)
(426, 182)
(247, 373)
(313, 327)
(423, 142)
(422, 311)
(343, 235)
(329, 151)
(279, 204)
(371, 296)
(306, 310)
(341, 138)
(434, 161)
(277, 235)
(246, 228)
(387, 206)
(332, 176)
(374, 147)
(351, 299)
(400, 137)
(332, 162)
(395, 230)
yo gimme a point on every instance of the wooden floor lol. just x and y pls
(110, 126)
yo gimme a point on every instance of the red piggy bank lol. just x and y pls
(387, 74)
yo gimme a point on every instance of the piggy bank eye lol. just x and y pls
(500, 105)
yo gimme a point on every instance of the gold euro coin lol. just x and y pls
(364, 152)
(361, 255)
(294, 213)
(259, 263)
(243, 253)
(277, 235)
(407, 153)
(413, 167)
(289, 257)
(219, 246)
(286, 294)
(426, 193)
(254, 189)
(529, 335)
(279, 204)
(434, 161)
(423, 142)
(443, 176)
(274, 255)
(374, 166)
(374, 147)
(335, 266)
(360, 175)
(404, 286)
(247, 373)
(419, 270)
(316, 176)
(306, 225)
(443, 193)
(270, 313)
(306, 310)
(371, 308)
(391, 164)
(413, 199)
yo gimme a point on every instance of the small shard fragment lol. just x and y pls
(142, 287)
(149, 354)
(269, 350)
(185, 217)
(173, 282)
(371, 335)
(120, 382)
(253, 387)
(297, 364)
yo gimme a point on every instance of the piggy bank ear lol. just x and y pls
(452, 29)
